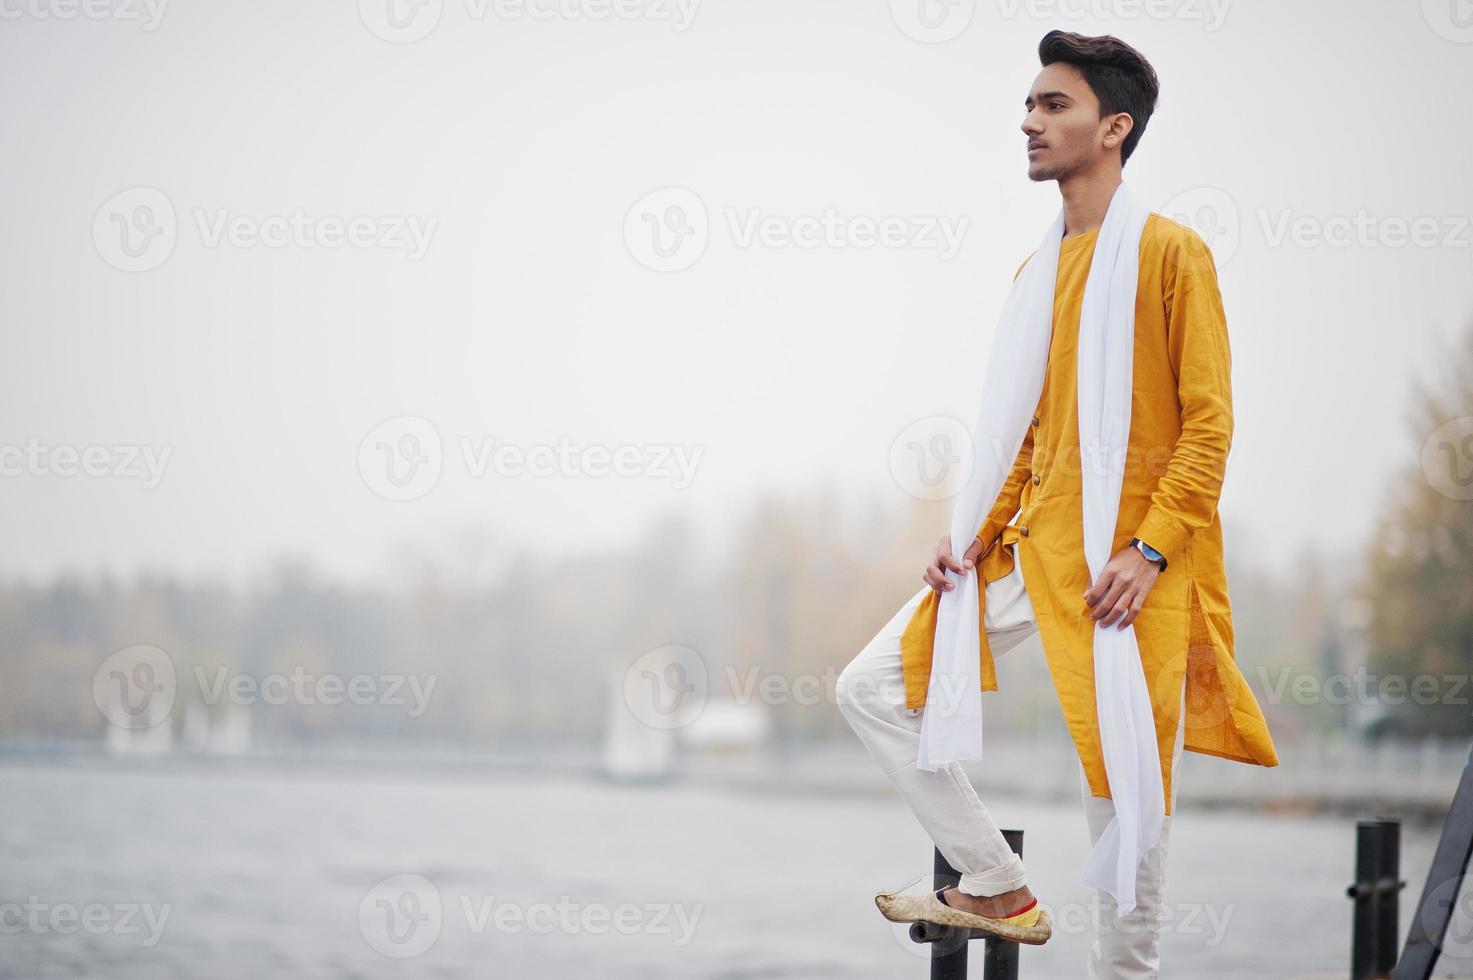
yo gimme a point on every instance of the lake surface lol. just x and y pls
(188, 869)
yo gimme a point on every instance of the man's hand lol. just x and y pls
(942, 560)
(1122, 587)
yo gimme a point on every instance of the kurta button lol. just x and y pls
(1037, 479)
(1023, 530)
(1035, 420)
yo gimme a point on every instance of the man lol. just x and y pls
(1085, 114)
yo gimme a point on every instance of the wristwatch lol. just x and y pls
(1151, 553)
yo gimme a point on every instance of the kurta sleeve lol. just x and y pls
(1185, 497)
(1010, 498)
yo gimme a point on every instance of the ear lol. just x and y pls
(1117, 127)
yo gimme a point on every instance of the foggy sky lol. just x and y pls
(520, 148)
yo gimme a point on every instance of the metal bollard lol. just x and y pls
(949, 945)
(1375, 893)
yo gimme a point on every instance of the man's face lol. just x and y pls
(1064, 124)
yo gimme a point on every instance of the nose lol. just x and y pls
(1031, 126)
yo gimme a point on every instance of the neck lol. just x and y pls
(1087, 198)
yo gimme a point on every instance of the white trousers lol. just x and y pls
(871, 696)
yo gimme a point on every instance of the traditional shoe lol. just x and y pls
(925, 906)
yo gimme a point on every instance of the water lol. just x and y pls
(276, 869)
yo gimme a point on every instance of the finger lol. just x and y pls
(1121, 608)
(1135, 610)
(973, 553)
(948, 560)
(1112, 610)
(1107, 605)
(936, 578)
(1100, 587)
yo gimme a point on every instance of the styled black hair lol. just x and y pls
(1121, 77)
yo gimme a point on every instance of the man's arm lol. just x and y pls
(1186, 496)
(1010, 498)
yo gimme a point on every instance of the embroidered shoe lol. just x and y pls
(907, 905)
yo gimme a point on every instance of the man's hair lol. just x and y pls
(1121, 77)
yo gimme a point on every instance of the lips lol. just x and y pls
(1036, 146)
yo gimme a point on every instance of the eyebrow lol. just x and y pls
(1045, 96)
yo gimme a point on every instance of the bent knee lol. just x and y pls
(860, 689)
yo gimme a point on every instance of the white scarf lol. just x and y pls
(1010, 394)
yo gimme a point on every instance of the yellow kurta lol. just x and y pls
(1180, 430)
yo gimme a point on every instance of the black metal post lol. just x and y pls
(949, 945)
(1376, 896)
(1000, 956)
(949, 949)
(1391, 885)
